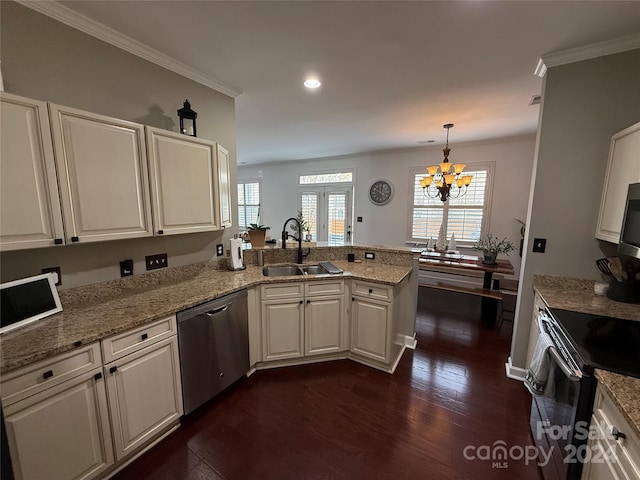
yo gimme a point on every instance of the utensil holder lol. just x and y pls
(625, 292)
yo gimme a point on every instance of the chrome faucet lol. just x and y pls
(298, 239)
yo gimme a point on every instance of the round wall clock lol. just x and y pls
(381, 192)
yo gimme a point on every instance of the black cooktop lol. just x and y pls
(606, 343)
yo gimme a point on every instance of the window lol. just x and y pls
(248, 203)
(466, 216)
(326, 203)
(329, 177)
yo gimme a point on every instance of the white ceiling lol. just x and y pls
(393, 72)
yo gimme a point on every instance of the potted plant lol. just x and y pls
(257, 234)
(491, 247)
(303, 224)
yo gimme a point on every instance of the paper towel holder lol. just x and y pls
(236, 262)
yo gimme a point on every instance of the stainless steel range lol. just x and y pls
(581, 343)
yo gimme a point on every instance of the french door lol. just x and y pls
(328, 212)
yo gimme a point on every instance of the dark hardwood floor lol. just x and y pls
(342, 420)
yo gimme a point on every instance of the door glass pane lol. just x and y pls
(309, 207)
(337, 218)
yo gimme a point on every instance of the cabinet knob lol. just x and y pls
(617, 434)
(160, 232)
(221, 374)
(308, 302)
(353, 299)
(58, 241)
(144, 336)
(301, 302)
(113, 369)
(75, 239)
(97, 376)
(371, 290)
(47, 374)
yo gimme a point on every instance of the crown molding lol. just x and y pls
(96, 29)
(587, 52)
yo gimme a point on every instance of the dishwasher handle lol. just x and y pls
(215, 311)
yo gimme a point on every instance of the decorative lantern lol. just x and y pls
(187, 119)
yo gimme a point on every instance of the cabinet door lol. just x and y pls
(30, 214)
(282, 329)
(323, 325)
(623, 169)
(62, 433)
(102, 168)
(224, 186)
(145, 395)
(370, 328)
(184, 192)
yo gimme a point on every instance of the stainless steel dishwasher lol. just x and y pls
(214, 347)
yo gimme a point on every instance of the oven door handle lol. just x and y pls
(573, 375)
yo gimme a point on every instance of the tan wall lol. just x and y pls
(47, 60)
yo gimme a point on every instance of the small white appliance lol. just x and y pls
(27, 300)
(236, 260)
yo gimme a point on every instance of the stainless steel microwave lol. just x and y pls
(630, 232)
(28, 300)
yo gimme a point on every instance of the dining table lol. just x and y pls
(455, 262)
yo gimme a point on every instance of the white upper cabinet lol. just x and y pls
(102, 172)
(623, 169)
(224, 186)
(183, 174)
(30, 215)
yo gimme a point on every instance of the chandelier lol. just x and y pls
(446, 179)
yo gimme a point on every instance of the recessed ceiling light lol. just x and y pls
(312, 83)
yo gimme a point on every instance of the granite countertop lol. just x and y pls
(97, 311)
(624, 391)
(577, 295)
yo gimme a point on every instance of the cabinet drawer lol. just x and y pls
(329, 287)
(133, 340)
(39, 376)
(607, 414)
(281, 290)
(373, 290)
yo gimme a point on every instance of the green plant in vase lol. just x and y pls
(491, 247)
(257, 234)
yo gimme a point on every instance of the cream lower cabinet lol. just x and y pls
(302, 319)
(56, 418)
(371, 308)
(30, 215)
(324, 317)
(143, 384)
(102, 175)
(184, 173)
(613, 450)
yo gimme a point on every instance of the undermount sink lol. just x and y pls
(288, 270)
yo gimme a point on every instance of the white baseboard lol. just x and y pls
(410, 341)
(516, 373)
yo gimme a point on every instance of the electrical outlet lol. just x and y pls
(126, 268)
(219, 250)
(55, 270)
(539, 245)
(369, 255)
(156, 261)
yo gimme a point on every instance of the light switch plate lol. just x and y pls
(156, 261)
(369, 255)
(126, 268)
(539, 245)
